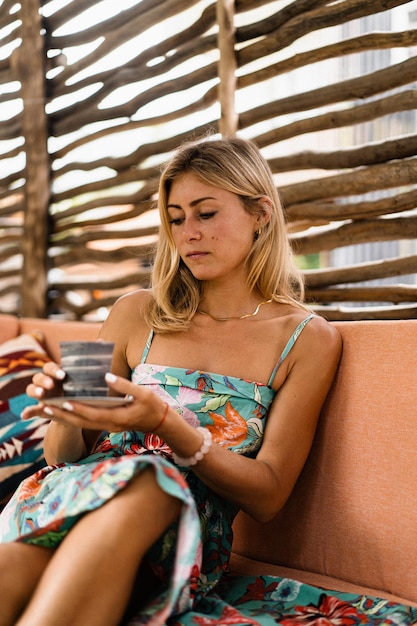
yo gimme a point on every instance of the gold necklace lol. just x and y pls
(240, 317)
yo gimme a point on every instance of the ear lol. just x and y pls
(264, 215)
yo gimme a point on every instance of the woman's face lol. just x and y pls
(211, 229)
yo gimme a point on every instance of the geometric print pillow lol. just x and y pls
(21, 441)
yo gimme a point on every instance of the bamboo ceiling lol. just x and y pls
(93, 99)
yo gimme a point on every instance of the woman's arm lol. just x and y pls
(63, 441)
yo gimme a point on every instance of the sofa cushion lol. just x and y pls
(21, 441)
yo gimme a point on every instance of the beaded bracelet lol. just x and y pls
(205, 447)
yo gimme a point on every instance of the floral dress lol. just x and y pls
(193, 554)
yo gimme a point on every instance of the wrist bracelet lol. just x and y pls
(204, 448)
(163, 417)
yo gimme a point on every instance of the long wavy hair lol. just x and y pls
(236, 165)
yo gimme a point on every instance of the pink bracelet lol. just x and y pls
(205, 447)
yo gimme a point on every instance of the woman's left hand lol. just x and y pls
(143, 410)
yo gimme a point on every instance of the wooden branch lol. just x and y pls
(184, 48)
(65, 119)
(130, 176)
(360, 272)
(9, 251)
(370, 41)
(227, 67)
(74, 311)
(310, 21)
(376, 152)
(30, 70)
(64, 220)
(10, 289)
(390, 293)
(119, 164)
(136, 278)
(365, 86)
(207, 99)
(334, 211)
(11, 179)
(366, 313)
(403, 101)
(81, 234)
(352, 233)
(72, 256)
(127, 25)
(272, 22)
(375, 177)
(12, 129)
(12, 273)
(78, 7)
(12, 205)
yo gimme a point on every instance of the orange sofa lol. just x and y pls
(351, 522)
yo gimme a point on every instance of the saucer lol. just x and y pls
(96, 401)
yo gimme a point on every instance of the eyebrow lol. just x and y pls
(192, 204)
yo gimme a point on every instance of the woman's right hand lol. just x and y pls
(45, 384)
(62, 442)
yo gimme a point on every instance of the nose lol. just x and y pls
(191, 230)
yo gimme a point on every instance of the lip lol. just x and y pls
(195, 255)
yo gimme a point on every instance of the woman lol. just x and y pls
(200, 439)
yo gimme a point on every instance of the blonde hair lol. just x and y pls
(236, 165)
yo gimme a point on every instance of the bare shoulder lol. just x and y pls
(126, 314)
(321, 340)
(133, 302)
(326, 333)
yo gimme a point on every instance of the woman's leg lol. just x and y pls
(89, 580)
(21, 567)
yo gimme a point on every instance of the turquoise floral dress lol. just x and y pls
(192, 556)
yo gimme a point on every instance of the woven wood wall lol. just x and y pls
(95, 95)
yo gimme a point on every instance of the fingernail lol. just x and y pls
(39, 392)
(48, 410)
(60, 374)
(110, 378)
(67, 406)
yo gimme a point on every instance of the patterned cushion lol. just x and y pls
(21, 441)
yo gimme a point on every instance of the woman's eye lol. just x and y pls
(176, 221)
(207, 216)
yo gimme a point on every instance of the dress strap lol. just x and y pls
(147, 347)
(290, 343)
